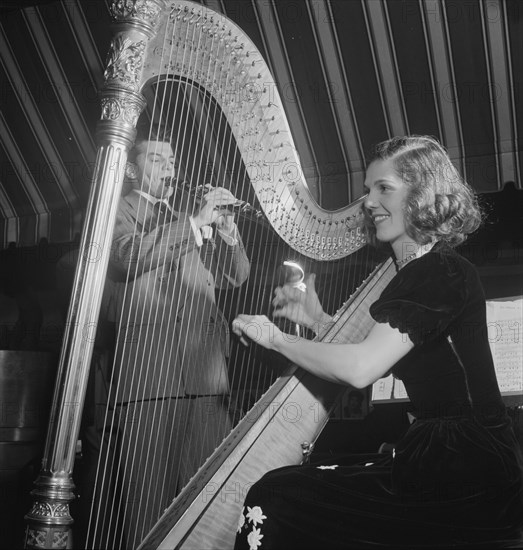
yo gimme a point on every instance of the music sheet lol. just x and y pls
(505, 331)
(389, 389)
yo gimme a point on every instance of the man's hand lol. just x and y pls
(226, 223)
(213, 207)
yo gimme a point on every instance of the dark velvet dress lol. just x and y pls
(453, 480)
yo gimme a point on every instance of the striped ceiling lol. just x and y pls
(350, 72)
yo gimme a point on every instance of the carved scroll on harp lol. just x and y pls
(158, 40)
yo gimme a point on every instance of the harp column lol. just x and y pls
(49, 523)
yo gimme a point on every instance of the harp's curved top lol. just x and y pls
(200, 45)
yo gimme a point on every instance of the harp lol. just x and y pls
(156, 42)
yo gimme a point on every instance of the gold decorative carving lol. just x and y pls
(121, 108)
(50, 509)
(125, 62)
(36, 538)
(111, 109)
(131, 111)
(60, 539)
(145, 10)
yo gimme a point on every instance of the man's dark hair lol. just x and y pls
(152, 131)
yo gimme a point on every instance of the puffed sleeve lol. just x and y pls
(423, 298)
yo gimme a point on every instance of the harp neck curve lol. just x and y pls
(197, 44)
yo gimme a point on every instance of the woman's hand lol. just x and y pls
(301, 307)
(259, 329)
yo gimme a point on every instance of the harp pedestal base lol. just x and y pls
(49, 523)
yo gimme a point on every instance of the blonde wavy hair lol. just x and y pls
(439, 205)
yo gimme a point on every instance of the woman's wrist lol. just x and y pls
(324, 320)
(282, 341)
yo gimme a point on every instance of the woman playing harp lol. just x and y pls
(167, 392)
(455, 478)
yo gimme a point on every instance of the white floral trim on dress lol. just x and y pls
(332, 467)
(254, 515)
(241, 521)
(254, 539)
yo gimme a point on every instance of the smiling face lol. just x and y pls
(385, 202)
(155, 161)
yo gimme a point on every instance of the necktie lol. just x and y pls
(162, 212)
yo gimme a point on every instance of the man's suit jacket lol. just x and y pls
(172, 337)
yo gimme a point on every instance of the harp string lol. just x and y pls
(228, 164)
(163, 351)
(239, 183)
(203, 108)
(182, 132)
(127, 373)
(158, 405)
(256, 305)
(222, 161)
(199, 120)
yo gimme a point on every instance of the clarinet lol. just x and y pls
(197, 192)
